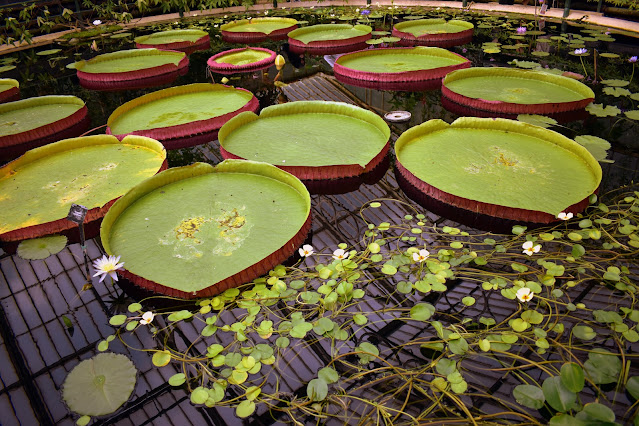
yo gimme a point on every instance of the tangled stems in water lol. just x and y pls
(247, 343)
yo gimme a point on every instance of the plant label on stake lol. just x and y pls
(77, 213)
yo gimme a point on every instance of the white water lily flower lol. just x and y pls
(564, 216)
(306, 250)
(147, 317)
(97, 22)
(107, 266)
(530, 248)
(524, 294)
(339, 254)
(421, 256)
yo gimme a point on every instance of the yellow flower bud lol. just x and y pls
(279, 62)
(224, 80)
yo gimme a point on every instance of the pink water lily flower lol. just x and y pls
(522, 30)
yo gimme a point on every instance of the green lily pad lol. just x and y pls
(224, 226)
(325, 32)
(633, 115)
(307, 134)
(48, 52)
(603, 111)
(504, 154)
(598, 147)
(615, 83)
(41, 248)
(264, 26)
(537, 120)
(609, 55)
(7, 68)
(129, 60)
(99, 385)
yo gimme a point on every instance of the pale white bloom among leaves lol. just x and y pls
(147, 317)
(564, 216)
(339, 254)
(524, 294)
(421, 256)
(581, 51)
(97, 22)
(107, 266)
(306, 250)
(531, 248)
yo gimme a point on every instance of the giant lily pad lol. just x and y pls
(187, 41)
(131, 69)
(412, 68)
(38, 188)
(257, 30)
(9, 90)
(497, 168)
(227, 231)
(32, 122)
(241, 60)
(514, 91)
(99, 385)
(314, 140)
(328, 39)
(434, 32)
(41, 248)
(181, 116)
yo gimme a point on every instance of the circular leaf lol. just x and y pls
(199, 395)
(161, 358)
(41, 248)
(529, 396)
(99, 385)
(559, 398)
(177, 379)
(245, 409)
(572, 377)
(422, 311)
(117, 320)
(317, 390)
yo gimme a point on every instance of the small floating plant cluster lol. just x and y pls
(224, 245)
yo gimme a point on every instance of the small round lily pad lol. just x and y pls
(41, 248)
(99, 385)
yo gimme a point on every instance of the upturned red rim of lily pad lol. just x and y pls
(189, 133)
(229, 172)
(361, 33)
(422, 79)
(74, 124)
(583, 94)
(435, 39)
(11, 90)
(36, 159)
(134, 79)
(427, 137)
(216, 65)
(310, 154)
(231, 36)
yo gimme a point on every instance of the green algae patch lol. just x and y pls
(39, 187)
(327, 32)
(28, 114)
(177, 106)
(228, 228)
(306, 133)
(500, 162)
(171, 36)
(129, 60)
(259, 25)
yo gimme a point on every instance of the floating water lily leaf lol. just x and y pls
(596, 413)
(41, 248)
(120, 35)
(540, 53)
(598, 147)
(572, 377)
(603, 111)
(99, 385)
(374, 41)
(632, 386)
(609, 55)
(492, 50)
(615, 83)
(633, 114)
(616, 91)
(529, 396)
(380, 33)
(557, 395)
(48, 52)
(537, 120)
(603, 368)
(525, 64)
(7, 68)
